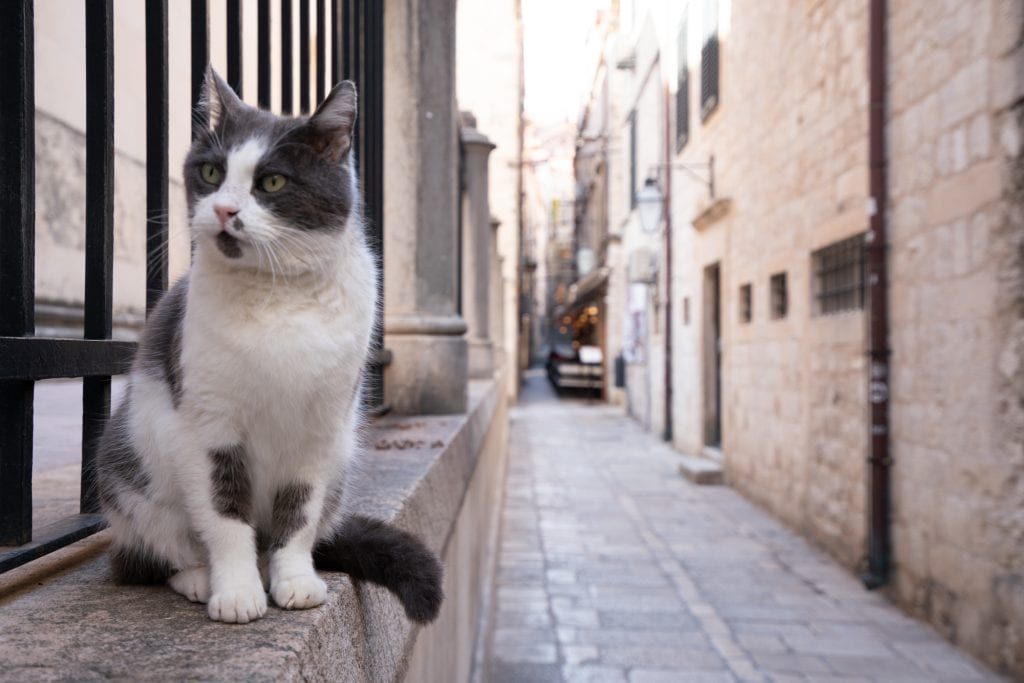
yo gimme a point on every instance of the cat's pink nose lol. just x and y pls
(224, 213)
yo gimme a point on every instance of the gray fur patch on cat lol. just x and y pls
(288, 516)
(120, 470)
(232, 490)
(159, 353)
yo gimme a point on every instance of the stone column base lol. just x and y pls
(429, 365)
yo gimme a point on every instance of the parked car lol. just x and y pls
(569, 368)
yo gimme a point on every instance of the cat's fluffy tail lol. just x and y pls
(371, 550)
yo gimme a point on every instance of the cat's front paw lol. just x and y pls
(238, 605)
(193, 583)
(299, 592)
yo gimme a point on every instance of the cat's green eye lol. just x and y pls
(272, 182)
(211, 173)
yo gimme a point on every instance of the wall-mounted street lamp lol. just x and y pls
(650, 200)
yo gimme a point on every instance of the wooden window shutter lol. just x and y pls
(709, 59)
(682, 89)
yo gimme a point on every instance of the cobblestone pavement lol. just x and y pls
(614, 568)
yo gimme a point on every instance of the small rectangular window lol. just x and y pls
(746, 303)
(780, 298)
(839, 276)
(686, 310)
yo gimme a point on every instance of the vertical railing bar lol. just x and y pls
(200, 58)
(99, 225)
(263, 59)
(234, 41)
(337, 73)
(156, 152)
(17, 260)
(286, 57)
(304, 71)
(321, 45)
(370, 53)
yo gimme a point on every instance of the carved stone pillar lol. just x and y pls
(476, 248)
(422, 327)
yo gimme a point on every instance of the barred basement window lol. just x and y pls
(780, 298)
(839, 276)
(746, 303)
(709, 61)
(682, 89)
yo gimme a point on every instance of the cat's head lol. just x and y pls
(268, 192)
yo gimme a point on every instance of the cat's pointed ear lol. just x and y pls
(217, 101)
(332, 123)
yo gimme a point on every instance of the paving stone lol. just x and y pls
(544, 653)
(662, 676)
(519, 672)
(593, 674)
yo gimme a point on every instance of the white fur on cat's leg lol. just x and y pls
(193, 583)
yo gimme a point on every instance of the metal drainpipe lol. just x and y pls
(877, 573)
(667, 211)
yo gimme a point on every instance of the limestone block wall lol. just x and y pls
(957, 233)
(789, 137)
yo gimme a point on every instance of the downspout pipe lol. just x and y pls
(879, 460)
(667, 213)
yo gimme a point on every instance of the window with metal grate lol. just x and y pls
(709, 61)
(839, 276)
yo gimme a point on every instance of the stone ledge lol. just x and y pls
(75, 624)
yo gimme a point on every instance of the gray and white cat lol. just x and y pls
(222, 470)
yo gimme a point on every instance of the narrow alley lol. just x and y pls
(615, 568)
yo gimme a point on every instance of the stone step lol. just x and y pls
(701, 471)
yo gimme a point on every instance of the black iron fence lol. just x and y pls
(354, 31)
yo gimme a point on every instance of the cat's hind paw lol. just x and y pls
(193, 583)
(299, 592)
(238, 605)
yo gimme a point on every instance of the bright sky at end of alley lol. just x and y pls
(554, 55)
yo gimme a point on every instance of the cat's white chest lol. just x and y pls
(267, 361)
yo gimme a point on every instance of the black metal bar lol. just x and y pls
(31, 358)
(200, 58)
(337, 23)
(304, 77)
(368, 37)
(234, 20)
(156, 152)
(17, 260)
(321, 56)
(286, 57)
(263, 54)
(53, 537)
(99, 224)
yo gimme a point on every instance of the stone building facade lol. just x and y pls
(769, 322)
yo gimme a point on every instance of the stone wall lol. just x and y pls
(957, 233)
(789, 138)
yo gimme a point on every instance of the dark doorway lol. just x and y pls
(712, 356)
